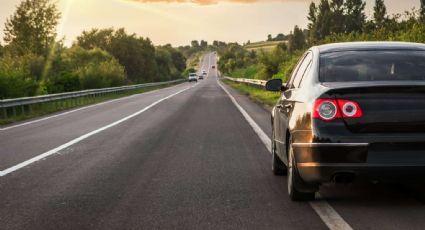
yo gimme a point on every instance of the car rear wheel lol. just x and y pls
(278, 167)
(298, 190)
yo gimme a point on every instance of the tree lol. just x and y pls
(32, 28)
(323, 22)
(279, 37)
(312, 25)
(422, 11)
(136, 54)
(380, 12)
(269, 37)
(204, 44)
(164, 63)
(195, 44)
(337, 16)
(296, 40)
(177, 58)
(355, 18)
(96, 38)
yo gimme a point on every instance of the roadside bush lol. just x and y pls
(78, 68)
(100, 75)
(63, 82)
(15, 77)
(188, 71)
(248, 72)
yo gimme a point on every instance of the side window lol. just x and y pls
(302, 70)
(294, 72)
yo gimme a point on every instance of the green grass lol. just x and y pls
(266, 46)
(257, 94)
(248, 72)
(37, 110)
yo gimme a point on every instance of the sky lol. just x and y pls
(178, 22)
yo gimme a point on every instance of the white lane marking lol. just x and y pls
(325, 211)
(261, 134)
(85, 136)
(328, 215)
(79, 109)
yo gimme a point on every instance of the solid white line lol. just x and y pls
(72, 142)
(325, 211)
(328, 215)
(79, 109)
(261, 134)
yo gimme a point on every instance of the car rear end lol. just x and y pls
(193, 77)
(369, 122)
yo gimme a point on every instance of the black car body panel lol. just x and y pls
(387, 142)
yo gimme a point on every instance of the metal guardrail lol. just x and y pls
(252, 82)
(28, 101)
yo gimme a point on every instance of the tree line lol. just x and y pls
(329, 21)
(34, 62)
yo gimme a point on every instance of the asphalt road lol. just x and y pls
(177, 158)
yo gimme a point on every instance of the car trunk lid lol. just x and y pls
(388, 107)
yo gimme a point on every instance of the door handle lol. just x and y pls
(287, 106)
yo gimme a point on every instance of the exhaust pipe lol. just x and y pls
(343, 178)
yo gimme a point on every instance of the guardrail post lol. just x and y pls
(4, 113)
(14, 111)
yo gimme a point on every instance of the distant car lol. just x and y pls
(201, 77)
(213, 66)
(351, 111)
(193, 77)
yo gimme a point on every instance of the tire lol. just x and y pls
(278, 167)
(298, 190)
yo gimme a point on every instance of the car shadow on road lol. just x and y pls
(373, 193)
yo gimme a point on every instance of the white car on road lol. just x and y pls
(193, 77)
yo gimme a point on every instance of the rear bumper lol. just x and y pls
(320, 162)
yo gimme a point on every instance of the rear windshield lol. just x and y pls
(352, 66)
(192, 75)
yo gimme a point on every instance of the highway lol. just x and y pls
(191, 156)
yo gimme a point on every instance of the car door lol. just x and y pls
(286, 104)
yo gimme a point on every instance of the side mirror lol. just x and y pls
(275, 85)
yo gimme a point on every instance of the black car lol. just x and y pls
(351, 111)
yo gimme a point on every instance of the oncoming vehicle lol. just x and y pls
(193, 77)
(351, 111)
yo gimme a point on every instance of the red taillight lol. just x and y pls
(326, 109)
(350, 109)
(330, 109)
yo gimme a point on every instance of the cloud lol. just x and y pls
(210, 2)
